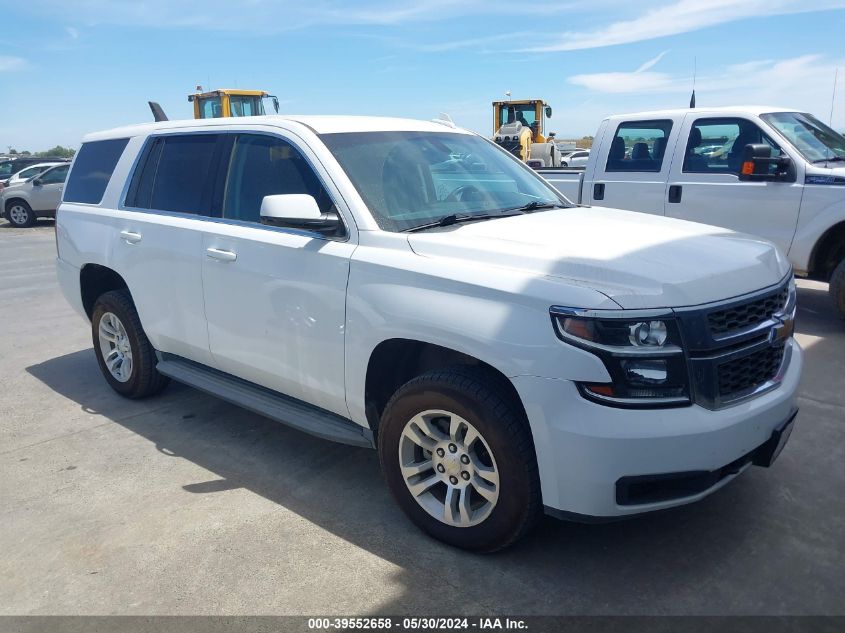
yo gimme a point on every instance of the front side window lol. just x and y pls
(716, 146)
(55, 176)
(817, 142)
(264, 165)
(92, 170)
(245, 106)
(29, 172)
(408, 179)
(639, 146)
(210, 107)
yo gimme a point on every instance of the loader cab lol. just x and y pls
(531, 113)
(230, 103)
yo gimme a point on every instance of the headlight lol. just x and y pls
(642, 351)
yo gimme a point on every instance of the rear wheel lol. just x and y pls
(459, 458)
(123, 351)
(837, 288)
(19, 214)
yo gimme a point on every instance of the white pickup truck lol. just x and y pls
(412, 287)
(788, 187)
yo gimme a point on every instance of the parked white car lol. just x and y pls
(23, 203)
(759, 170)
(30, 172)
(359, 280)
(577, 158)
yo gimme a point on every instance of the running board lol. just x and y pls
(290, 411)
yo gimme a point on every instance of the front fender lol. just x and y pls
(822, 207)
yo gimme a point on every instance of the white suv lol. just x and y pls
(411, 287)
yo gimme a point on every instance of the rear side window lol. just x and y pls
(174, 174)
(639, 146)
(92, 170)
(55, 176)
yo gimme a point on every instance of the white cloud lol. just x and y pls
(9, 63)
(682, 16)
(640, 80)
(72, 32)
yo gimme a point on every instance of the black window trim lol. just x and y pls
(646, 123)
(218, 168)
(754, 122)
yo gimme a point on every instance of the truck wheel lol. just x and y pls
(459, 458)
(19, 214)
(124, 353)
(837, 288)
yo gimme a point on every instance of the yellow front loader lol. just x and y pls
(519, 127)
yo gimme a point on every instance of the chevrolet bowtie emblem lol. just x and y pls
(783, 330)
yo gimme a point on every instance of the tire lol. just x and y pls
(117, 335)
(564, 164)
(469, 399)
(837, 288)
(19, 214)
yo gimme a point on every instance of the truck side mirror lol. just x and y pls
(297, 210)
(548, 112)
(757, 161)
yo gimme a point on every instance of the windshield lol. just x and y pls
(408, 179)
(242, 105)
(816, 141)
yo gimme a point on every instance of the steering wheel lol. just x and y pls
(458, 194)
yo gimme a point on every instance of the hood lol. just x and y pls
(638, 260)
(820, 175)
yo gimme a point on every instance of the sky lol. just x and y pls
(69, 68)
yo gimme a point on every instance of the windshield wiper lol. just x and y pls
(535, 205)
(456, 218)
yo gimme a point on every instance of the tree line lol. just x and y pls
(58, 151)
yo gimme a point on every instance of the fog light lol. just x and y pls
(645, 372)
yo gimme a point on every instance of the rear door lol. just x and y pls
(47, 195)
(275, 297)
(158, 238)
(633, 166)
(704, 185)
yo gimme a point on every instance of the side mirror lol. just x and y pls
(297, 210)
(757, 161)
(37, 182)
(548, 112)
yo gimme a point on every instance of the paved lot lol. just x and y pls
(184, 504)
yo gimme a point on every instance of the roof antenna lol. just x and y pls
(833, 98)
(694, 73)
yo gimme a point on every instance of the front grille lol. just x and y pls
(745, 373)
(748, 314)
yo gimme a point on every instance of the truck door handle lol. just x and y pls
(675, 193)
(129, 237)
(598, 191)
(220, 255)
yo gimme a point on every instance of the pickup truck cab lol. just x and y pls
(688, 164)
(410, 286)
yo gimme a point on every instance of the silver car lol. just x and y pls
(38, 197)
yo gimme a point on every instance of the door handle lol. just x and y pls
(220, 255)
(675, 193)
(129, 237)
(598, 191)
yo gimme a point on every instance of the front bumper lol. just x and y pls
(584, 449)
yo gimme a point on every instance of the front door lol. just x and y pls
(704, 185)
(275, 297)
(47, 195)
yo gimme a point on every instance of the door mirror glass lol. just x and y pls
(758, 164)
(548, 112)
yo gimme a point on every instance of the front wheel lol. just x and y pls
(459, 458)
(837, 288)
(19, 214)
